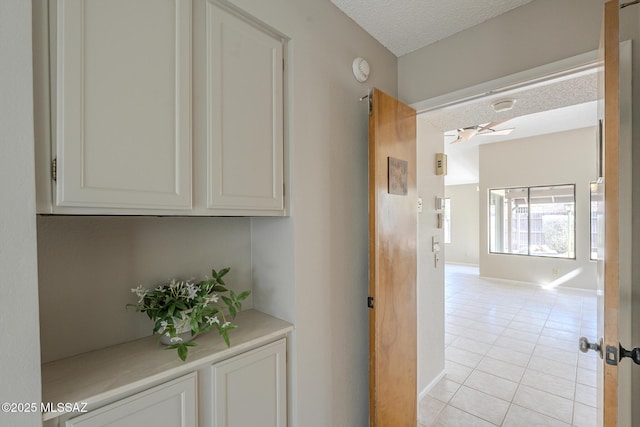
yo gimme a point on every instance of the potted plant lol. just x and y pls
(182, 309)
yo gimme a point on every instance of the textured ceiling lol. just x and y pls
(403, 26)
(555, 106)
(551, 95)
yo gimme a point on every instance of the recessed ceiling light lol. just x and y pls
(503, 105)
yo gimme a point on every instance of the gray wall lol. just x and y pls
(19, 352)
(88, 265)
(535, 34)
(324, 289)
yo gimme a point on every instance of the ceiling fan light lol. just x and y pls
(503, 105)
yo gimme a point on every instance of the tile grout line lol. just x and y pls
(492, 303)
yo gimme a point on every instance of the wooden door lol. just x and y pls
(392, 263)
(608, 264)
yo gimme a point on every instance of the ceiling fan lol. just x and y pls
(465, 134)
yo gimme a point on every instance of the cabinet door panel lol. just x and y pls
(244, 114)
(250, 389)
(168, 405)
(123, 103)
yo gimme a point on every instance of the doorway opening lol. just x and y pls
(503, 339)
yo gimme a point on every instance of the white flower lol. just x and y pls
(212, 320)
(174, 340)
(160, 289)
(192, 291)
(140, 292)
(214, 298)
(163, 326)
(226, 325)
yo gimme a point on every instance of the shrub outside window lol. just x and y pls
(535, 221)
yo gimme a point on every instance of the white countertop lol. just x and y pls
(101, 376)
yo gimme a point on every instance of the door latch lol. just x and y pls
(585, 346)
(633, 354)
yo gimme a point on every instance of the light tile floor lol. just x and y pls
(511, 356)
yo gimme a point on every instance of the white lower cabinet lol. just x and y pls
(250, 389)
(246, 390)
(172, 404)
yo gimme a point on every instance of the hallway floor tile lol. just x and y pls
(511, 356)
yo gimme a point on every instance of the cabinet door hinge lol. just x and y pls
(54, 169)
(370, 302)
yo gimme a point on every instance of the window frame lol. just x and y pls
(528, 192)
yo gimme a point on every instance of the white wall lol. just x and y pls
(88, 265)
(465, 222)
(19, 351)
(325, 288)
(553, 159)
(430, 277)
(535, 34)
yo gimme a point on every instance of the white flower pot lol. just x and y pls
(183, 332)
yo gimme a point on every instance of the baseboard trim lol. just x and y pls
(431, 385)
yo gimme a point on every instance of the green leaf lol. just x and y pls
(182, 352)
(244, 295)
(227, 300)
(195, 328)
(219, 288)
(223, 272)
(232, 311)
(225, 336)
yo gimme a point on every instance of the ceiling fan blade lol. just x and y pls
(490, 125)
(467, 133)
(458, 139)
(491, 132)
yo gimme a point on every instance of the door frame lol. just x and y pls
(531, 78)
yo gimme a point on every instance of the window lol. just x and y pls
(536, 221)
(447, 220)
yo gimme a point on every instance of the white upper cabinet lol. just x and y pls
(122, 103)
(244, 109)
(148, 107)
